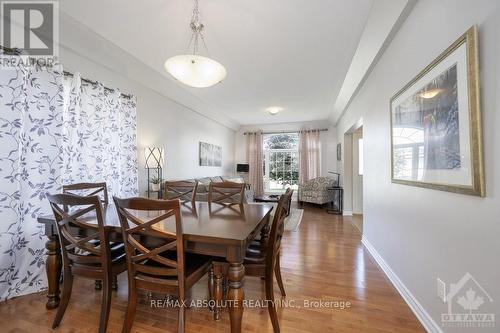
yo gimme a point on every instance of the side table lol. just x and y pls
(337, 205)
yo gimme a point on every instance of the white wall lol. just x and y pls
(161, 121)
(328, 141)
(423, 234)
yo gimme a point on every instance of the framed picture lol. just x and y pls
(339, 152)
(210, 155)
(436, 133)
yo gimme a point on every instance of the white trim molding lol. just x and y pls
(347, 213)
(425, 319)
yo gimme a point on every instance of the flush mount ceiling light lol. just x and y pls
(193, 69)
(273, 110)
(430, 93)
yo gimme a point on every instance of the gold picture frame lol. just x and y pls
(423, 137)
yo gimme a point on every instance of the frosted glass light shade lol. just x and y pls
(273, 110)
(195, 71)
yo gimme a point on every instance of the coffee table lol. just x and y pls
(274, 199)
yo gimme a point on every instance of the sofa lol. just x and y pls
(316, 190)
(204, 184)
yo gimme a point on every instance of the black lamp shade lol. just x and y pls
(242, 167)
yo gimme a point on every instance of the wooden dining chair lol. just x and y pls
(182, 190)
(85, 249)
(226, 193)
(161, 267)
(85, 189)
(264, 261)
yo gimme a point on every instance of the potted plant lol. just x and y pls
(155, 183)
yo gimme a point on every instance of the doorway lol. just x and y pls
(353, 170)
(357, 178)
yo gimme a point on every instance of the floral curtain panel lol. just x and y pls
(54, 131)
(99, 137)
(30, 160)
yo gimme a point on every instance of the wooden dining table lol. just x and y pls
(214, 230)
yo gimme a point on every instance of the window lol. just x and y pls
(281, 162)
(408, 153)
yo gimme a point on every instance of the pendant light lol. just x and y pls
(193, 69)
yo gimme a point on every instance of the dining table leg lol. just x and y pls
(236, 295)
(218, 289)
(53, 267)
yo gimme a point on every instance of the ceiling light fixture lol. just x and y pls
(274, 110)
(193, 69)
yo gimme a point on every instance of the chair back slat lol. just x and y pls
(182, 190)
(152, 259)
(226, 193)
(145, 253)
(80, 240)
(81, 243)
(85, 189)
(277, 228)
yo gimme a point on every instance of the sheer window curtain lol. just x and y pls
(51, 134)
(254, 157)
(309, 155)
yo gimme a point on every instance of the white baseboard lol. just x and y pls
(347, 213)
(425, 319)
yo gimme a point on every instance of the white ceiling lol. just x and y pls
(289, 53)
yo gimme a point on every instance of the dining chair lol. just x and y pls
(83, 189)
(265, 261)
(226, 193)
(81, 240)
(90, 189)
(183, 190)
(162, 266)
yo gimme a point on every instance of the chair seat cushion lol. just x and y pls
(195, 267)
(254, 258)
(254, 254)
(117, 254)
(117, 251)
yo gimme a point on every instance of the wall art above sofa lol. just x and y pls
(210, 155)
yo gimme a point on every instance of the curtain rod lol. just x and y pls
(287, 132)
(66, 73)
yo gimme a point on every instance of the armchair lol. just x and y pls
(316, 190)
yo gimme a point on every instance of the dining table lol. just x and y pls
(218, 230)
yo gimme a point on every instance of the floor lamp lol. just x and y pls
(154, 164)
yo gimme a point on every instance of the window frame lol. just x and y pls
(266, 161)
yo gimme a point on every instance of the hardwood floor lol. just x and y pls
(357, 220)
(324, 260)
